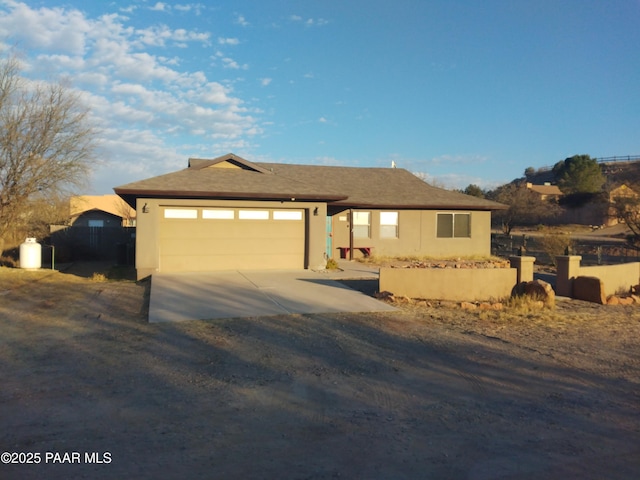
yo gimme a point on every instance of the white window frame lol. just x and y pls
(218, 214)
(181, 213)
(287, 215)
(253, 214)
(389, 224)
(359, 225)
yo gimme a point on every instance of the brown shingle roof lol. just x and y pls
(545, 189)
(380, 187)
(346, 186)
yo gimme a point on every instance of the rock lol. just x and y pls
(490, 306)
(538, 290)
(626, 301)
(590, 289)
(468, 306)
(385, 296)
(620, 300)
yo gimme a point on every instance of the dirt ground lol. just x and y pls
(425, 392)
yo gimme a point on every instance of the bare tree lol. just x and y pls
(127, 213)
(46, 144)
(626, 206)
(525, 207)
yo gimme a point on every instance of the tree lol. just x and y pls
(626, 206)
(525, 207)
(46, 144)
(474, 191)
(579, 174)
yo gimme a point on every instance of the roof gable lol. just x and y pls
(230, 161)
(111, 204)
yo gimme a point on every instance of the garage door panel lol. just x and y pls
(244, 246)
(173, 263)
(201, 244)
(201, 230)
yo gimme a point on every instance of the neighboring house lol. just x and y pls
(546, 191)
(100, 211)
(621, 191)
(99, 228)
(598, 211)
(229, 213)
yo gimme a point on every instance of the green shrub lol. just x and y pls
(332, 264)
(554, 244)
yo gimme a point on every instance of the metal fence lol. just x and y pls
(92, 243)
(616, 159)
(593, 252)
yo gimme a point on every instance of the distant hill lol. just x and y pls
(617, 170)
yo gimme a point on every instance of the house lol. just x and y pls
(100, 211)
(230, 213)
(99, 227)
(621, 192)
(596, 210)
(546, 191)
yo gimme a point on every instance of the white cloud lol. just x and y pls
(265, 81)
(228, 41)
(196, 7)
(240, 20)
(151, 114)
(455, 181)
(45, 28)
(231, 63)
(322, 120)
(159, 7)
(309, 22)
(159, 35)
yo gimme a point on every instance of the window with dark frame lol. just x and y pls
(453, 225)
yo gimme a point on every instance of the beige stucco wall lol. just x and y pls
(148, 228)
(449, 284)
(416, 235)
(615, 278)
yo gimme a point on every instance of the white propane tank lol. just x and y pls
(30, 254)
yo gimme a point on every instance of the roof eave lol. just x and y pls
(134, 193)
(422, 206)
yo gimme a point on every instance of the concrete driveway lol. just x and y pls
(242, 294)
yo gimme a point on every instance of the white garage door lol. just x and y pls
(204, 239)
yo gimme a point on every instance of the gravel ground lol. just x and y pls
(430, 391)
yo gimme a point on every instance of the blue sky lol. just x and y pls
(458, 92)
